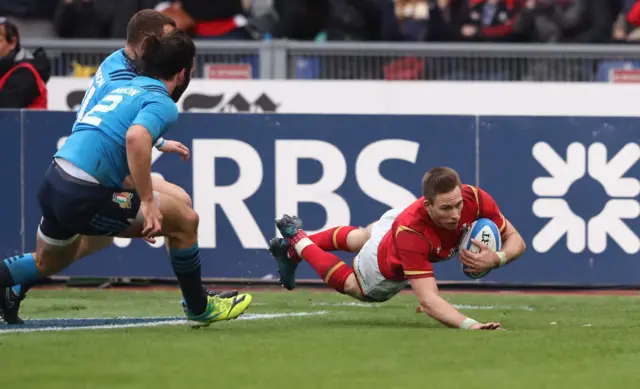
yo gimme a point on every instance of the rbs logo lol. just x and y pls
(289, 193)
(610, 174)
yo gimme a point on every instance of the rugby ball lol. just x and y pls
(485, 231)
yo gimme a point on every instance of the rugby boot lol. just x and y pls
(279, 248)
(218, 309)
(289, 226)
(10, 306)
(224, 295)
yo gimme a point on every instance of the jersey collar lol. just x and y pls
(156, 82)
(129, 62)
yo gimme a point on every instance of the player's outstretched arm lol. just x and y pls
(139, 145)
(438, 308)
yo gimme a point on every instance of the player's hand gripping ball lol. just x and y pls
(485, 231)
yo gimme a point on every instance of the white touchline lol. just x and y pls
(458, 306)
(161, 322)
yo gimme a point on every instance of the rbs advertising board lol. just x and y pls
(569, 185)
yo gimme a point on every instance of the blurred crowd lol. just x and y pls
(576, 21)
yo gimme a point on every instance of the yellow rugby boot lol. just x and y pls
(219, 309)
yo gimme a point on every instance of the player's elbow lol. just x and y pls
(521, 244)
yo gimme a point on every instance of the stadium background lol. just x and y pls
(361, 114)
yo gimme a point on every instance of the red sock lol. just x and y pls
(328, 240)
(329, 267)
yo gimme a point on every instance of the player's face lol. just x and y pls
(5, 45)
(446, 209)
(184, 79)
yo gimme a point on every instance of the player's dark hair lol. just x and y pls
(10, 31)
(439, 180)
(147, 23)
(167, 56)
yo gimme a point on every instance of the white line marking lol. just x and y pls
(493, 307)
(164, 321)
(349, 304)
(458, 306)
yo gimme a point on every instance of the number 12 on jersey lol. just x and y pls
(108, 103)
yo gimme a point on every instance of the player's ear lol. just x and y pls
(426, 203)
(180, 76)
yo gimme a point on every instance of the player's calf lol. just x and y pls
(180, 225)
(55, 251)
(182, 231)
(341, 238)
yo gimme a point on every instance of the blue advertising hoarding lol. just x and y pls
(569, 185)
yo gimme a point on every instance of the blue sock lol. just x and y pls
(19, 270)
(186, 266)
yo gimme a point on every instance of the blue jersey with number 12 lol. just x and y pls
(114, 72)
(97, 143)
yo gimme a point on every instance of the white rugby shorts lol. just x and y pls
(365, 266)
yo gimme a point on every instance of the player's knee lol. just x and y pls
(191, 220)
(50, 262)
(351, 287)
(357, 238)
(187, 230)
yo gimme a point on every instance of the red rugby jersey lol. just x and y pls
(414, 242)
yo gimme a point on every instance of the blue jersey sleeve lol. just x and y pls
(157, 116)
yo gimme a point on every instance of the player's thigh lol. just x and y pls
(92, 244)
(178, 219)
(373, 286)
(163, 186)
(357, 238)
(54, 254)
(56, 241)
(372, 283)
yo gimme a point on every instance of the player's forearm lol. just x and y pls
(435, 306)
(439, 309)
(139, 145)
(513, 246)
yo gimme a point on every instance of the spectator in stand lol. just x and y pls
(81, 19)
(356, 20)
(213, 19)
(249, 19)
(302, 19)
(539, 21)
(627, 26)
(23, 75)
(32, 17)
(422, 20)
(491, 20)
(587, 21)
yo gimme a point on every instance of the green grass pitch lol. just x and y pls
(593, 342)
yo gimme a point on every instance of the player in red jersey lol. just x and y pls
(400, 248)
